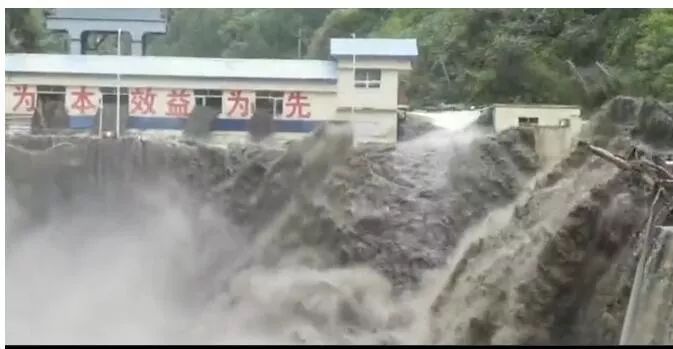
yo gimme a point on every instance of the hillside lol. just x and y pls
(577, 56)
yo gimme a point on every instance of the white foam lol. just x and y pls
(451, 120)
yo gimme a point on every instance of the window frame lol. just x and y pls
(203, 97)
(275, 98)
(368, 82)
(528, 121)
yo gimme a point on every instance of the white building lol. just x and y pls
(515, 115)
(158, 94)
(77, 23)
(557, 127)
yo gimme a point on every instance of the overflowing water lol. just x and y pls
(149, 267)
(140, 274)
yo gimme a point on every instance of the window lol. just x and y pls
(50, 94)
(105, 43)
(523, 121)
(109, 95)
(51, 112)
(268, 105)
(269, 102)
(564, 122)
(54, 96)
(367, 78)
(209, 98)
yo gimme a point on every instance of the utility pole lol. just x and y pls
(299, 43)
(352, 101)
(119, 53)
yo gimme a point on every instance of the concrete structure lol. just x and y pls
(78, 22)
(368, 83)
(556, 126)
(548, 115)
(649, 316)
(159, 94)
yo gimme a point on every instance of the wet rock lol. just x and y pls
(414, 127)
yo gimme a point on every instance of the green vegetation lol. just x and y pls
(473, 56)
(24, 29)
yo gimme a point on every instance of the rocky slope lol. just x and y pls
(560, 271)
(446, 238)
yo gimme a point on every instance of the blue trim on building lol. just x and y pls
(82, 122)
(230, 125)
(164, 123)
(240, 125)
(155, 123)
(298, 126)
(301, 126)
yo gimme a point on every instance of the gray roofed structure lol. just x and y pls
(108, 14)
(137, 22)
(374, 47)
(171, 66)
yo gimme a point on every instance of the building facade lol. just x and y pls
(556, 127)
(159, 95)
(515, 115)
(77, 23)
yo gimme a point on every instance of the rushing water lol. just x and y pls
(137, 263)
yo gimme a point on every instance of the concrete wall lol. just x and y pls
(322, 109)
(323, 105)
(167, 82)
(506, 116)
(651, 316)
(19, 112)
(387, 63)
(374, 118)
(553, 141)
(372, 126)
(134, 21)
(384, 97)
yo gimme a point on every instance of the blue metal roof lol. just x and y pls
(118, 14)
(171, 66)
(374, 47)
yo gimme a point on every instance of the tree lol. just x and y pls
(579, 56)
(343, 23)
(654, 52)
(23, 30)
(241, 33)
(192, 32)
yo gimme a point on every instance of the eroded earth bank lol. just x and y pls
(450, 237)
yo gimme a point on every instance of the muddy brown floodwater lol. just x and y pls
(449, 237)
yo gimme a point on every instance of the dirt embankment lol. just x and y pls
(560, 271)
(317, 223)
(372, 205)
(367, 221)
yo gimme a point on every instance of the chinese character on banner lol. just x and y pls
(142, 102)
(240, 104)
(82, 101)
(20, 99)
(180, 103)
(296, 105)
